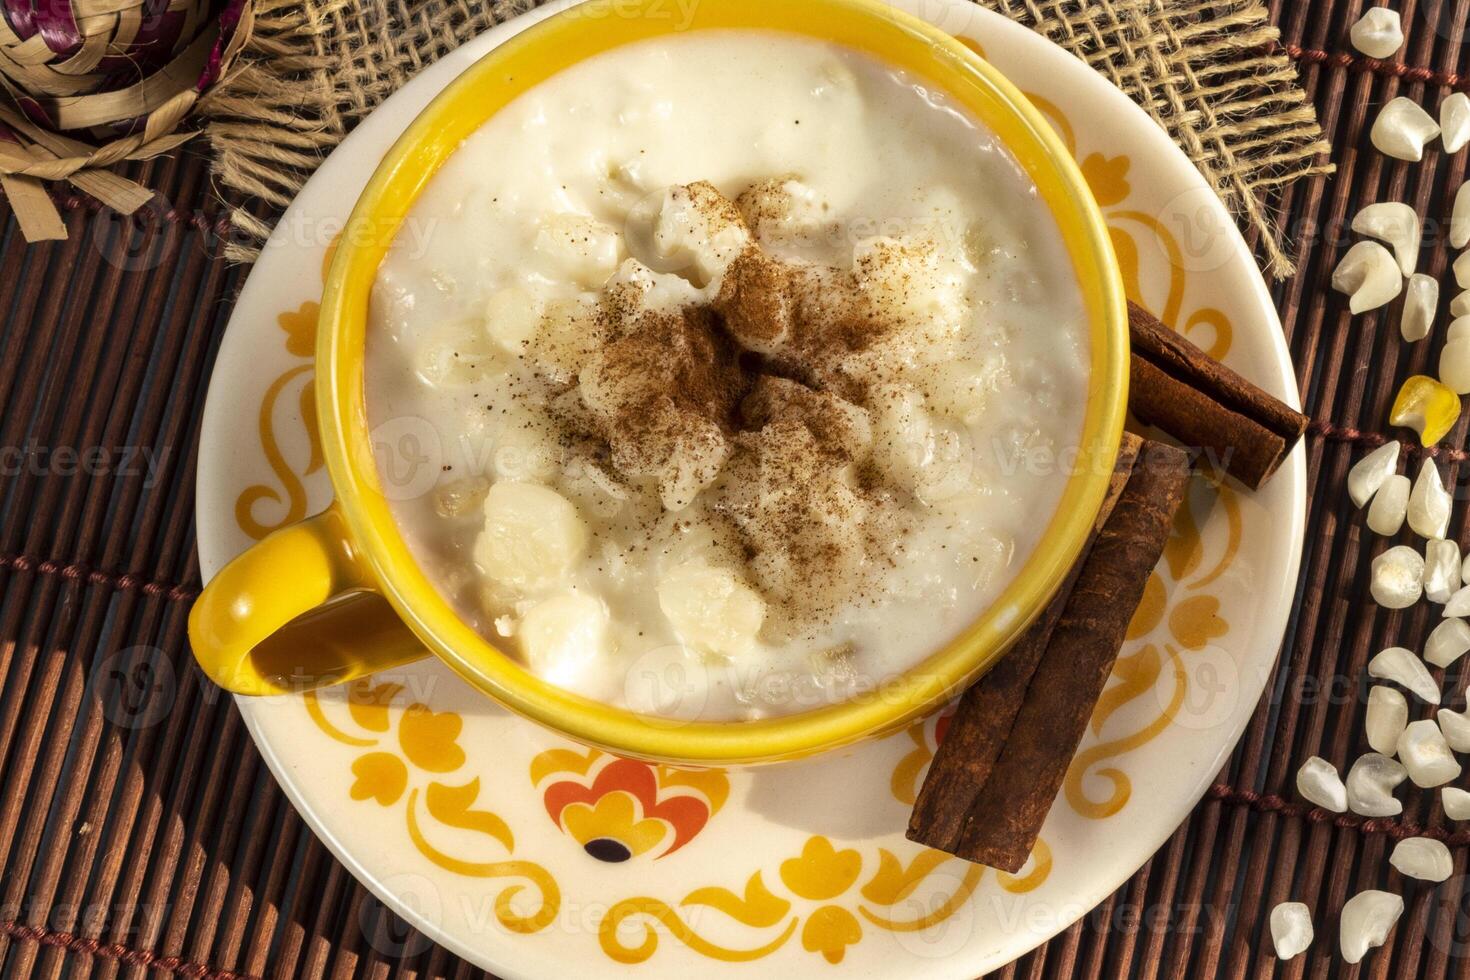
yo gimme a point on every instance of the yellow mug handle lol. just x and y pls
(299, 610)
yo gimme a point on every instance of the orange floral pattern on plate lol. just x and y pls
(402, 763)
(819, 894)
(618, 809)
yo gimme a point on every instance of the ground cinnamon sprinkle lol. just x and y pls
(744, 405)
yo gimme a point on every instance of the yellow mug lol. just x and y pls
(340, 595)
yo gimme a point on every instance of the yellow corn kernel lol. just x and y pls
(1426, 406)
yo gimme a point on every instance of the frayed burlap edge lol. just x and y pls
(1208, 71)
(1204, 69)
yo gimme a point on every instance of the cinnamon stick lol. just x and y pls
(986, 712)
(1205, 405)
(1014, 735)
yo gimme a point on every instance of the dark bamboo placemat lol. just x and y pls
(140, 836)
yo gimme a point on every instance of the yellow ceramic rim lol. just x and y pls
(529, 58)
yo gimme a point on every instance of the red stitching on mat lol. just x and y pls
(216, 224)
(1271, 803)
(1388, 69)
(1346, 433)
(76, 572)
(114, 951)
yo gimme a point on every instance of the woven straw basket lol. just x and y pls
(91, 83)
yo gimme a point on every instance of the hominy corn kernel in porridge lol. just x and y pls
(726, 375)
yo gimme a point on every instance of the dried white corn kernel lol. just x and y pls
(1429, 504)
(1454, 121)
(561, 635)
(1455, 727)
(1378, 33)
(1369, 275)
(1456, 803)
(1424, 752)
(1397, 225)
(1420, 303)
(1366, 920)
(1442, 570)
(1397, 577)
(1459, 604)
(1447, 643)
(532, 537)
(1459, 307)
(1370, 785)
(1459, 327)
(1461, 269)
(711, 609)
(1291, 929)
(1388, 715)
(1368, 473)
(1454, 366)
(1318, 782)
(1390, 505)
(1402, 129)
(1423, 858)
(1460, 217)
(1398, 664)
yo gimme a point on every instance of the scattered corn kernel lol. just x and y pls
(1368, 274)
(1425, 753)
(1443, 572)
(1390, 506)
(1460, 217)
(1398, 664)
(1426, 406)
(1454, 365)
(1398, 579)
(1369, 473)
(1456, 803)
(1448, 642)
(1401, 130)
(1395, 223)
(1430, 503)
(1387, 717)
(1422, 300)
(1454, 121)
(1379, 33)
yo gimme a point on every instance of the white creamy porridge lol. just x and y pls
(719, 375)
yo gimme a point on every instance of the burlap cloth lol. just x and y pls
(1206, 70)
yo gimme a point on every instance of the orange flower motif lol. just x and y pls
(1196, 621)
(429, 739)
(827, 878)
(829, 931)
(821, 872)
(619, 809)
(1108, 178)
(300, 327)
(381, 776)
